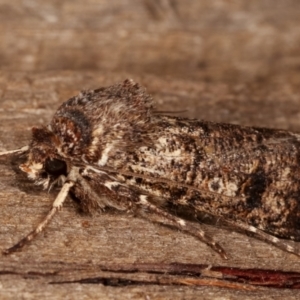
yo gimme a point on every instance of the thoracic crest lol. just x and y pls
(91, 127)
(103, 121)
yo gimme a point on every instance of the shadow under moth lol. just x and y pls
(109, 148)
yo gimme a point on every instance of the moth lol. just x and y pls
(109, 147)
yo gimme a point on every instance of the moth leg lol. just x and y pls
(183, 225)
(20, 150)
(58, 181)
(57, 204)
(165, 217)
(281, 244)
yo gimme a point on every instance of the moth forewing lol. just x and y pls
(108, 147)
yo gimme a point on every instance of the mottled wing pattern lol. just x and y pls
(241, 174)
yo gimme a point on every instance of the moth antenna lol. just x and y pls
(57, 204)
(20, 150)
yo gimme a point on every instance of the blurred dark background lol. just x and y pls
(222, 60)
(222, 40)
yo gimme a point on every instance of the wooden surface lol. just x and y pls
(223, 61)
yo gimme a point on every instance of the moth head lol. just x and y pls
(44, 164)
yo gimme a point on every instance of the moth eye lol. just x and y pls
(55, 167)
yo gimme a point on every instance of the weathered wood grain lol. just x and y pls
(72, 239)
(229, 61)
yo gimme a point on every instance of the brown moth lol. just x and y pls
(109, 148)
